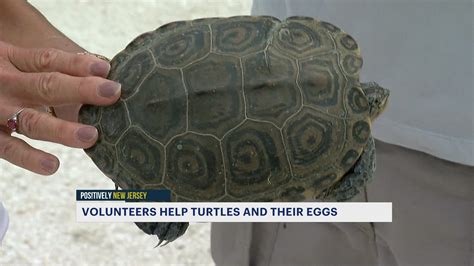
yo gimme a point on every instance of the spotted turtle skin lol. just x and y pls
(234, 109)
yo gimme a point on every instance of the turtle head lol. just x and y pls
(377, 97)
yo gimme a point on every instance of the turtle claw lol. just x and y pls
(161, 241)
(164, 231)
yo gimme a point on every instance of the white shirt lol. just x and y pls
(422, 51)
(3, 222)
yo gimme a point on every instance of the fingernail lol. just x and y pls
(86, 134)
(100, 68)
(109, 89)
(49, 165)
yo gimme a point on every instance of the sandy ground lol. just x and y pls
(43, 229)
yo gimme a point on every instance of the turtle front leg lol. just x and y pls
(356, 179)
(164, 231)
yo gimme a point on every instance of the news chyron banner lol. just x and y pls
(155, 206)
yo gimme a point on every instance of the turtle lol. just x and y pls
(239, 109)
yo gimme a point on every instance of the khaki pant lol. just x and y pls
(433, 222)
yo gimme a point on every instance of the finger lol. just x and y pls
(41, 126)
(68, 112)
(5, 130)
(54, 60)
(7, 111)
(18, 152)
(58, 89)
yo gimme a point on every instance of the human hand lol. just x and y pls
(37, 78)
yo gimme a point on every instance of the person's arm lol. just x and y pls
(22, 25)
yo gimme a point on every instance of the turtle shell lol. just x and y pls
(234, 109)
